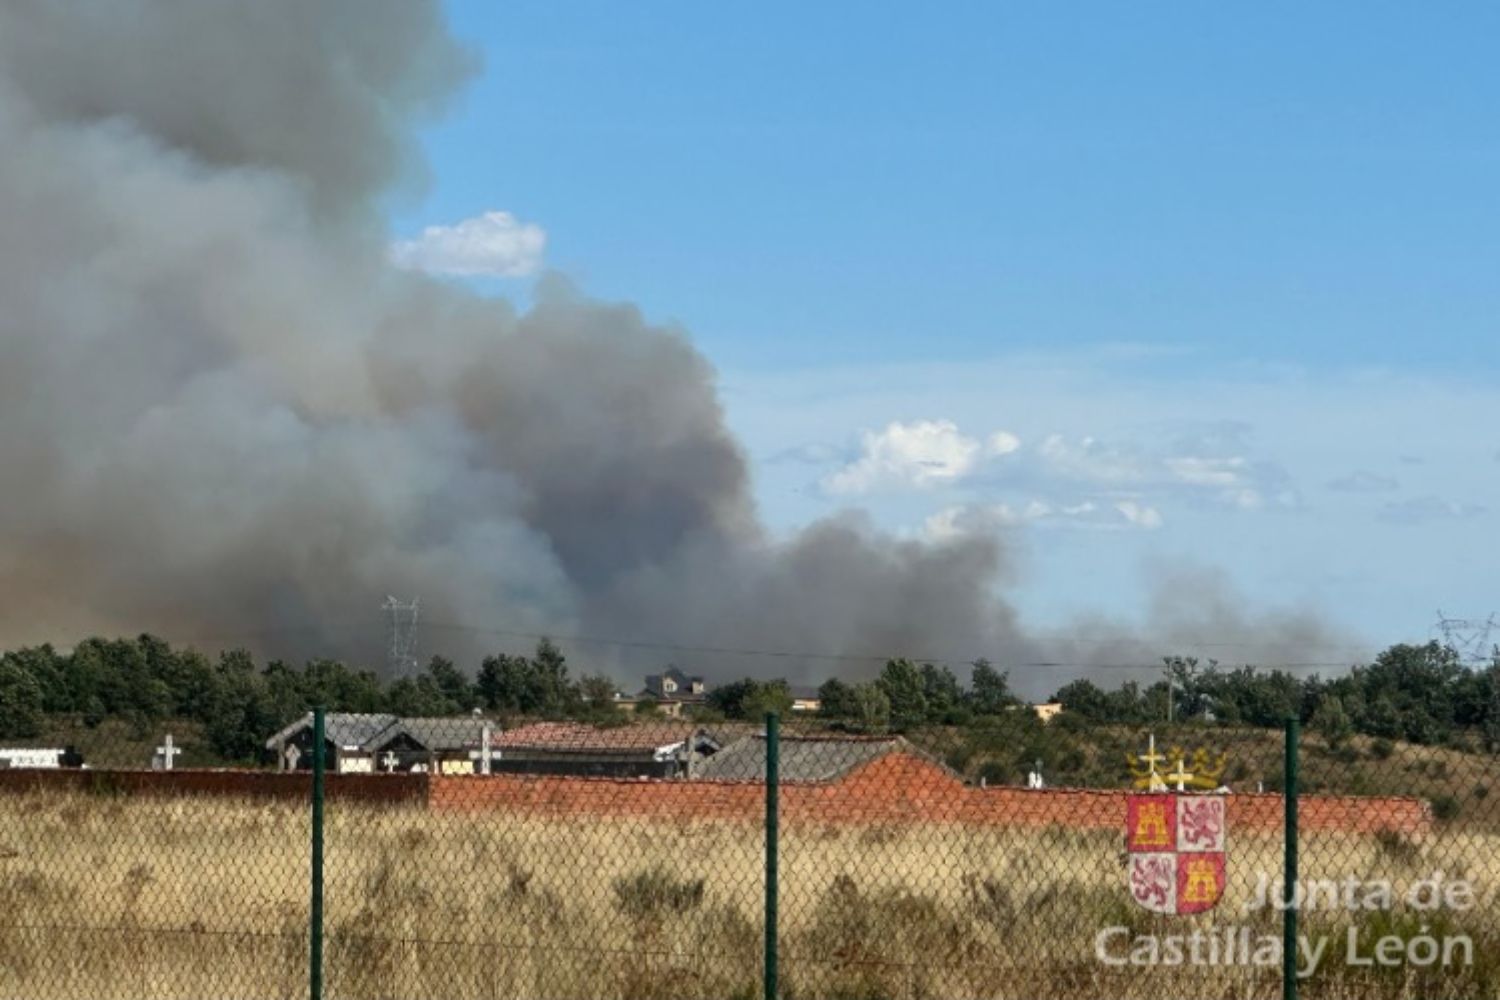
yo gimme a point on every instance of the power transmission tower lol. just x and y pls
(1470, 638)
(401, 656)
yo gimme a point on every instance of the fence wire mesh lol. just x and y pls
(575, 868)
(1400, 868)
(475, 857)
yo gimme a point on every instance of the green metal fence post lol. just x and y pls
(315, 909)
(773, 782)
(1289, 876)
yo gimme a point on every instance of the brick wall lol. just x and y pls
(895, 788)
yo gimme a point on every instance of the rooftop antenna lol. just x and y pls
(401, 656)
(1470, 638)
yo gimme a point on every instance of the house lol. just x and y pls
(671, 691)
(661, 750)
(675, 684)
(802, 758)
(1047, 710)
(356, 743)
(805, 698)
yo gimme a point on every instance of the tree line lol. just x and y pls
(239, 702)
(1418, 693)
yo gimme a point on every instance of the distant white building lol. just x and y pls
(1048, 710)
(45, 758)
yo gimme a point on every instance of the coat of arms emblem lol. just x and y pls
(1176, 851)
(1176, 842)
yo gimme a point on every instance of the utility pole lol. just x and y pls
(1167, 667)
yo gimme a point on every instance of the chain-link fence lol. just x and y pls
(462, 858)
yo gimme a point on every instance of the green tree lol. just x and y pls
(1491, 725)
(286, 692)
(769, 696)
(731, 698)
(835, 700)
(50, 671)
(1255, 697)
(1409, 692)
(1084, 698)
(417, 696)
(902, 684)
(20, 701)
(339, 688)
(942, 693)
(989, 690)
(1331, 721)
(502, 682)
(750, 699)
(458, 694)
(870, 708)
(240, 714)
(597, 691)
(1187, 687)
(551, 691)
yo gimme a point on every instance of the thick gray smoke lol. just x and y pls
(223, 414)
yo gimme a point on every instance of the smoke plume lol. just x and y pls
(224, 414)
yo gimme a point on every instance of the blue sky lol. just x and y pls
(1137, 285)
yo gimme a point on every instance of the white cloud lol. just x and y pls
(1091, 460)
(1233, 480)
(955, 522)
(495, 244)
(1003, 443)
(1298, 429)
(1140, 515)
(1197, 471)
(921, 454)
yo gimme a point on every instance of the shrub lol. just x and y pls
(1446, 807)
(1382, 748)
(1396, 845)
(655, 893)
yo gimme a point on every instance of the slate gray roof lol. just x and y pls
(437, 733)
(580, 737)
(344, 729)
(803, 758)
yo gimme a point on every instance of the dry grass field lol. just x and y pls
(111, 897)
